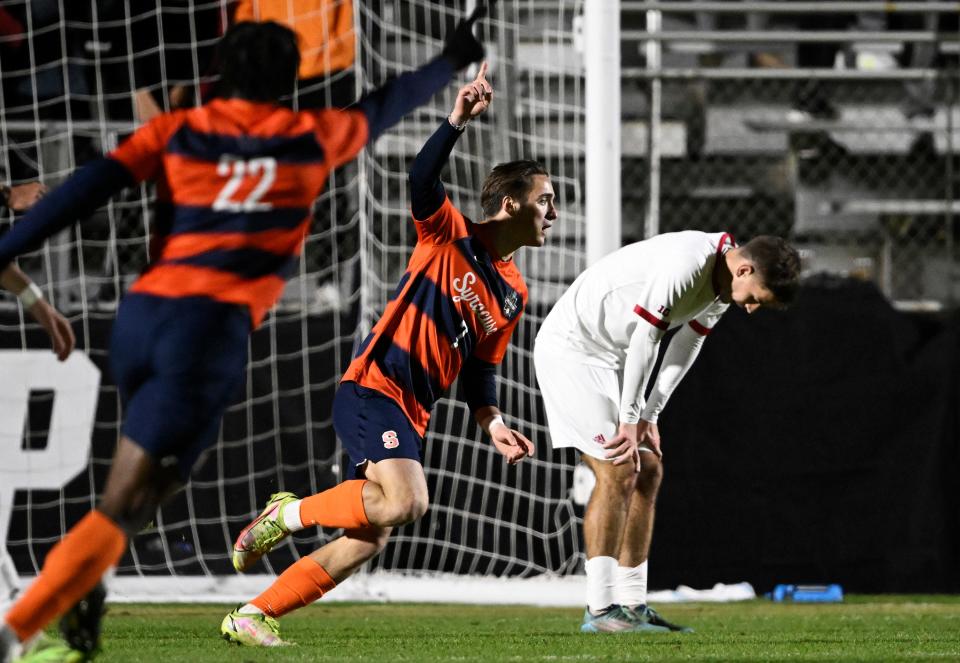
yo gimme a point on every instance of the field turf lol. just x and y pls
(864, 628)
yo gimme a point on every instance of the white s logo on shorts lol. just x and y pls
(390, 440)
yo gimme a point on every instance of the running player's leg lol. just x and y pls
(177, 364)
(372, 429)
(390, 490)
(135, 487)
(395, 493)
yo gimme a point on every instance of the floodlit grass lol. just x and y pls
(874, 628)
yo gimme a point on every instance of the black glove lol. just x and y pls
(462, 47)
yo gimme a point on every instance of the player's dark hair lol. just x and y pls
(258, 61)
(778, 264)
(513, 178)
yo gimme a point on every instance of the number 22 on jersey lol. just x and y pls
(265, 168)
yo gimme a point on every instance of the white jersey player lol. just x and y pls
(594, 355)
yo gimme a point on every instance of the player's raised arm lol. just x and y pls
(386, 105)
(137, 159)
(426, 190)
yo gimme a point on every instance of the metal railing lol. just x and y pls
(859, 193)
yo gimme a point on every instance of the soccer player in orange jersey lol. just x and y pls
(453, 313)
(235, 182)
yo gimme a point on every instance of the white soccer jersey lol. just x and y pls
(642, 289)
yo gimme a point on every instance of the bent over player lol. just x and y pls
(235, 182)
(453, 312)
(594, 354)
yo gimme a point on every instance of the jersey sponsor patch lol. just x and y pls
(510, 304)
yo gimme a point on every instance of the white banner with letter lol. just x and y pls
(75, 384)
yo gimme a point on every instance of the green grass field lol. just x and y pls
(867, 628)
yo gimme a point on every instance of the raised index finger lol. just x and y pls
(481, 75)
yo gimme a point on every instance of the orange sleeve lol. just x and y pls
(142, 152)
(443, 226)
(342, 133)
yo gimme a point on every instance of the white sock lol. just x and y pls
(250, 609)
(291, 516)
(600, 582)
(631, 585)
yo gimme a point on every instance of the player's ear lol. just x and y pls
(508, 205)
(745, 269)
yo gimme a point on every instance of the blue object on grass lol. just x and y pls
(808, 593)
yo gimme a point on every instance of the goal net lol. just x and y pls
(75, 80)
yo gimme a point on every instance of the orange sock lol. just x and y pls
(71, 569)
(341, 506)
(301, 584)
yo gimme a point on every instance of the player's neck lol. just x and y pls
(496, 238)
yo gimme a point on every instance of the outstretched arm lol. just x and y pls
(387, 105)
(426, 190)
(78, 197)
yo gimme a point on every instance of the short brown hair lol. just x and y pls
(778, 264)
(513, 178)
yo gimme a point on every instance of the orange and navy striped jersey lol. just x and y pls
(454, 301)
(235, 184)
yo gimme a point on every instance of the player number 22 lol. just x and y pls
(237, 170)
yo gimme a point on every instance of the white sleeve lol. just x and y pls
(679, 357)
(677, 360)
(641, 357)
(654, 309)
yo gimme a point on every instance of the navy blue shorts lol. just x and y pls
(178, 364)
(372, 427)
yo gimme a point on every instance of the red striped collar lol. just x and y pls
(726, 237)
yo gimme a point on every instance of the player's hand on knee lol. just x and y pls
(473, 99)
(511, 443)
(622, 447)
(648, 435)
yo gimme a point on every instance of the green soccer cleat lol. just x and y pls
(48, 650)
(259, 537)
(645, 618)
(610, 620)
(253, 630)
